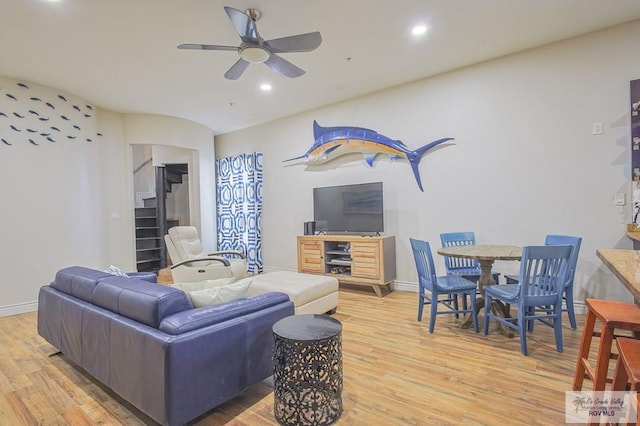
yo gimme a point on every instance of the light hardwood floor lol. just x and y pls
(395, 373)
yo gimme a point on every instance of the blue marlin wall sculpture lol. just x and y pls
(332, 142)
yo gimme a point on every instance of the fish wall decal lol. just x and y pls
(332, 142)
(24, 117)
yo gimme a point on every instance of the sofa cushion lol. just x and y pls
(201, 285)
(139, 300)
(301, 288)
(198, 318)
(219, 293)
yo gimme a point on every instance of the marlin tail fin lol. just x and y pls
(414, 158)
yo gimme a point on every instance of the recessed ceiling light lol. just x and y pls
(265, 87)
(419, 30)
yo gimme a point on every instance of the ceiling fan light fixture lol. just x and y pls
(254, 54)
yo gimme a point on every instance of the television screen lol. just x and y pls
(349, 208)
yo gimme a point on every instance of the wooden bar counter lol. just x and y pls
(625, 264)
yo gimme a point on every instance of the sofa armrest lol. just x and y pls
(193, 319)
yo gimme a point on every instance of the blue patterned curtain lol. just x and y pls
(239, 201)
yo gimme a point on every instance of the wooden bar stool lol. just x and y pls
(613, 315)
(628, 368)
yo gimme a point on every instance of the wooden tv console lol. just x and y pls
(352, 259)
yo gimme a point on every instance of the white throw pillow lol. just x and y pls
(219, 293)
(201, 285)
(114, 270)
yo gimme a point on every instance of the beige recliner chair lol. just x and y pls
(192, 264)
(311, 294)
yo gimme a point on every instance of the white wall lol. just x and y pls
(524, 162)
(70, 202)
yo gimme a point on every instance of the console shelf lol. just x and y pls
(369, 261)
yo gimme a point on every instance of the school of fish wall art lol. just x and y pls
(33, 117)
(333, 142)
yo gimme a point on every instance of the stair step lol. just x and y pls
(149, 202)
(156, 259)
(177, 168)
(149, 249)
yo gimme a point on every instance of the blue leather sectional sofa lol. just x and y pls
(147, 343)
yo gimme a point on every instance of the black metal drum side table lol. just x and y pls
(307, 370)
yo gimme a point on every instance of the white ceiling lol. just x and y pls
(121, 55)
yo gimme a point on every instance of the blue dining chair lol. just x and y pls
(537, 295)
(444, 290)
(466, 268)
(575, 242)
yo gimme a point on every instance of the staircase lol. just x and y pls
(150, 220)
(150, 251)
(173, 174)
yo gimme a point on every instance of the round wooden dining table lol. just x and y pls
(486, 255)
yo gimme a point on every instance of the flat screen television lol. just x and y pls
(349, 208)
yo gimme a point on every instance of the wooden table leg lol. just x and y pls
(497, 307)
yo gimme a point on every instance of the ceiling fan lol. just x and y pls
(254, 49)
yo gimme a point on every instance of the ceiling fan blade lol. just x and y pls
(283, 67)
(206, 47)
(236, 69)
(244, 25)
(296, 43)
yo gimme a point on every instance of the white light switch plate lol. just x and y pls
(597, 128)
(619, 199)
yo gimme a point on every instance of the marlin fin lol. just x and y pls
(416, 173)
(420, 151)
(318, 130)
(369, 159)
(415, 157)
(328, 151)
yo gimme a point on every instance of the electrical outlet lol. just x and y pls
(597, 128)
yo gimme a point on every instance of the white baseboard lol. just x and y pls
(405, 286)
(19, 308)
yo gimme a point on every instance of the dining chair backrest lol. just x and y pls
(424, 264)
(543, 273)
(575, 242)
(453, 239)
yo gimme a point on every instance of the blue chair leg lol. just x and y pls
(568, 293)
(522, 324)
(454, 298)
(420, 303)
(487, 306)
(557, 328)
(434, 311)
(474, 309)
(530, 312)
